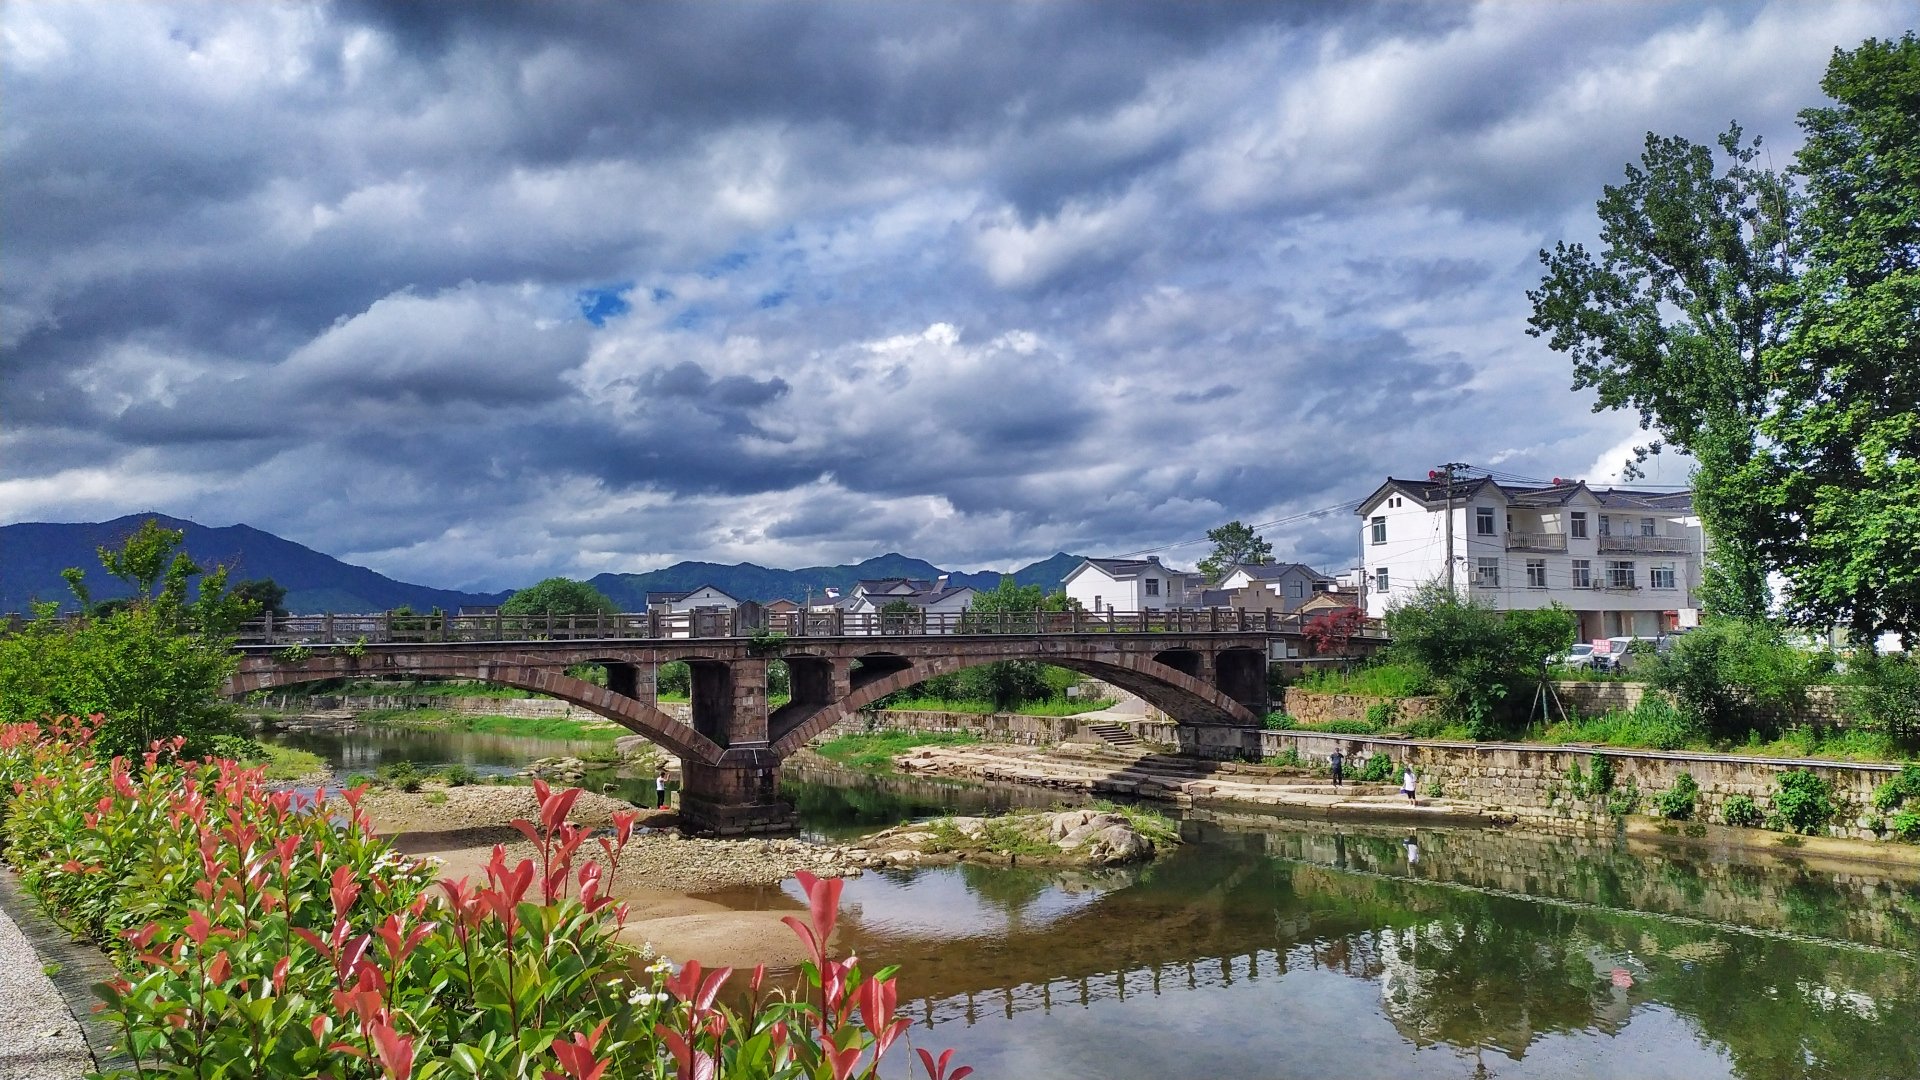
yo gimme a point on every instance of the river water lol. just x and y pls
(1270, 947)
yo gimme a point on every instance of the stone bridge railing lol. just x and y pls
(751, 620)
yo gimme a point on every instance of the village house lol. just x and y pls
(1126, 586)
(1281, 587)
(1626, 561)
(706, 597)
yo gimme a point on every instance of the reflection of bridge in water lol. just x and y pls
(1453, 962)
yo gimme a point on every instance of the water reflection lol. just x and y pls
(1276, 947)
(1256, 955)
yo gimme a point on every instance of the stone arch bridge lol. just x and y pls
(1212, 679)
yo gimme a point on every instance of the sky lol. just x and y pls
(479, 294)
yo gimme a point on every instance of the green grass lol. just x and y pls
(877, 750)
(286, 763)
(1157, 827)
(1643, 731)
(533, 727)
(1379, 680)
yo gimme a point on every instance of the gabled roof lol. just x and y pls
(881, 585)
(1432, 494)
(924, 598)
(676, 597)
(1276, 571)
(1124, 568)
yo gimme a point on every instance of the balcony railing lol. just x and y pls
(1646, 545)
(1536, 541)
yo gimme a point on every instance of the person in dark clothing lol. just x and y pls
(1334, 762)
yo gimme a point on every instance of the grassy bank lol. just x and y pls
(533, 727)
(284, 763)
(1661, 730)
(877, 750)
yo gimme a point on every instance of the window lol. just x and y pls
(1487, 573)
(1606, 525)
(1620, 574)
(1646, 527)
(1379, 530)
(1536, 573)
(1583, 573)
(1509, 523)
(1661, 576)
(1153, 586)
(1297, 589)
(1379, 579)
(1483, 520)
(1579, 525)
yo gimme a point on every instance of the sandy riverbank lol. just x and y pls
(663, 878)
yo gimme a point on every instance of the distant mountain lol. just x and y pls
(748, 581)
(32, 554)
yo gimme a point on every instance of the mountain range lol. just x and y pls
(32, 554)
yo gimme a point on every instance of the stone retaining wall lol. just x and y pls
(993, 727)
(1310, 707)
(1530, 782)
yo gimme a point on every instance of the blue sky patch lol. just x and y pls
(603, 302)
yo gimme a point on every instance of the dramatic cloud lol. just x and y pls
(481, 293)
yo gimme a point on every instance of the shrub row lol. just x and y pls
(261, 936)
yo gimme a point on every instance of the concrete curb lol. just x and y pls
(81, 967)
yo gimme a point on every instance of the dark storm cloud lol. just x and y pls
(978, 281)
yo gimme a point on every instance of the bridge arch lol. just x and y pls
(264, 672)
(1178, 694)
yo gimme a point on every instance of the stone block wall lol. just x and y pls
(1826, 705)
(1530, 782)
(1309, 707)
(993, 727)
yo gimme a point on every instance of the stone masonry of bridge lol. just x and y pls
(732, 749)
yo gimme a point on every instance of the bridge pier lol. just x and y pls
(740, 795)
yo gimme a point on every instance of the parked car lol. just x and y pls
(1579, 656)
(1626, 652)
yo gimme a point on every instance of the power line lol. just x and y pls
(1289, 520)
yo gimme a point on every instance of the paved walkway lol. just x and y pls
(39, 1037)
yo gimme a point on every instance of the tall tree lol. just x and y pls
(1840, 467)
(1673, 318)
(558, 596)
(1234, 544)
(1767, 324)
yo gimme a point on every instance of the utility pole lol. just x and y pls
(1448, 470)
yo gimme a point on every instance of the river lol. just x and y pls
(1270, 947)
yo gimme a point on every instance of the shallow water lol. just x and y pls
(1272, 947)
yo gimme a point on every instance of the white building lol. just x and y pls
(1126, 586)
(926, 597)
(1274, 586)
(1627, 561)
(706, 597)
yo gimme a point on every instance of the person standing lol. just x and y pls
(1407, 782)
(1334, 764)
(660, 790)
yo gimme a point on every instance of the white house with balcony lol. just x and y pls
(1126, 586)
(1625, 560)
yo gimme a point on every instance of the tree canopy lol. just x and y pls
(1234, 544)
(1765, 323)
(152, 665)
(558, 596)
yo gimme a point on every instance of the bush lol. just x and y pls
(1624, 799)
(1379, 769)
(1340, 727)
(1733, 676)
(1803, 802)
(1906, 825)
(1739, 810)
(1486, 665)
(256, 937)
(402, 775)
(1885, 694)
(1277, 721)
(1676, 803)
(1383, 714)
(459, 775)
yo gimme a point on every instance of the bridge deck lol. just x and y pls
(388, 628)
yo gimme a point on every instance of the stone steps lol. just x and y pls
(1119, 735)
